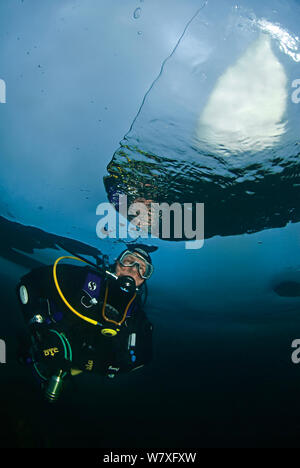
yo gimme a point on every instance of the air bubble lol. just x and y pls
(137, 13)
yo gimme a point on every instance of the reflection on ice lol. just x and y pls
(245, 111)
(219, 124)
(288, 43)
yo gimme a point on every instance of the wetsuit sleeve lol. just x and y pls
(49, 339)
(33, 291)
(35, 288)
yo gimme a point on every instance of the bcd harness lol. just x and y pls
(104, 330)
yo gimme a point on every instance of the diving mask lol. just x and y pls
(131, 259)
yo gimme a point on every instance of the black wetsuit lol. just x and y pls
(90, 350)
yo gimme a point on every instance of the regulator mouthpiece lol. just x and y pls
(127, 284)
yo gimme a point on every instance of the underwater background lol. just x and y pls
(174, 101)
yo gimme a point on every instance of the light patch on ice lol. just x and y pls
(288, 43)
(245, 110)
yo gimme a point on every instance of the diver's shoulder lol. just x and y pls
(36, 274)
(45, 273)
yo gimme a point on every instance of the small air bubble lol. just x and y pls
(137, 13)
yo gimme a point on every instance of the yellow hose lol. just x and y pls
(83, 317)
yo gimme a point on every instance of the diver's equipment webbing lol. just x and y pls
(83, 317)
(125, 313)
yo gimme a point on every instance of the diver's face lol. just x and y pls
(131, 271)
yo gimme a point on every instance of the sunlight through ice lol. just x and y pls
(245, 111)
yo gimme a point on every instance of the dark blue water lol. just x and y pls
(178, 103)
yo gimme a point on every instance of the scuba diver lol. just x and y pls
(86, 318)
